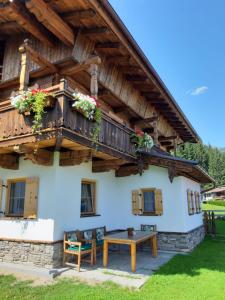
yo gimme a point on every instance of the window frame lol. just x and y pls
(94, 183)
(144, 213)
(9, 182)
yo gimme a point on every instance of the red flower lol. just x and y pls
(97, 104)
(139, 132)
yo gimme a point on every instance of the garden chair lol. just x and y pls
(73, 246)
(147, 227)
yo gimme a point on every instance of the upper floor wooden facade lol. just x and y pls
(67, 41)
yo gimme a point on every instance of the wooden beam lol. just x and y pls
(51, 20)
(118, 59)
(10, 26)
(130, 69)
(27, 21)
(95, 31)
(108, 45)
(167, 138)
(150, 94)
(72, 158)
(106, 165)
(9, 161)
(84, 65)
(78, 15)
(40, 157)
(37, 156)
(136, 78)
(128, 170)
(120, 109)
(145, 122)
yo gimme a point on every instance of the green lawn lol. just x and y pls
(199, 275)
(213, 207)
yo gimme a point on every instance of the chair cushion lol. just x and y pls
(100, 233)
(72, 237)
(83, 247)
(99, 243)
(148, 227)
(88, 234)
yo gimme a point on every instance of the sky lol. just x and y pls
(185, 42)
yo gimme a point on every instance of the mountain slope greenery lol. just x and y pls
(212, 159)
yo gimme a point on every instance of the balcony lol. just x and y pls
(62, 121)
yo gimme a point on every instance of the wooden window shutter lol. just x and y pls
(158, 203)
(196, 202)
(31, 198)
(136, 209)
(199, 202)
(189, 202)
(192, 203)
(1, 192)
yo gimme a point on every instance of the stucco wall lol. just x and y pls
(60, 193)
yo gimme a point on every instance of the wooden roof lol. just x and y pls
(51, 19)
(179, 166)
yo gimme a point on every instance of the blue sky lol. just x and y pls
(185, 42)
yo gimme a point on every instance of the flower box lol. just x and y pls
(141, 140)
(33, 102)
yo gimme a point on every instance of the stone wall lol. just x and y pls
(47, 255)
(180, 242)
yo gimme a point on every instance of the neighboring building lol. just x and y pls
(59, 180)
(216, 193)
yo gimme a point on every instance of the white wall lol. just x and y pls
(195, 220)
(60, 193)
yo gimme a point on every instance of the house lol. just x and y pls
(54, 176)
(215, 193)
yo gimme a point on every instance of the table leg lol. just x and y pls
(105, 253)
(154, 246)
(133, 257)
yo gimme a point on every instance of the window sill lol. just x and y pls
(90, 215)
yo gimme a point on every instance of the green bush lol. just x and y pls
(216, 202)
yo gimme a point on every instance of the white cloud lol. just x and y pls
(198, 91)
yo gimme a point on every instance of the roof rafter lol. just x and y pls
(51, 20)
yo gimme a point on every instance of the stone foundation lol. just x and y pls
(47, 255)
(180, 242)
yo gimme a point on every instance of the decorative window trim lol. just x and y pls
(93, 213)
(9, 183)
(30, 198)
(138, 202)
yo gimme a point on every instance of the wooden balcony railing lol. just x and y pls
(114, 137)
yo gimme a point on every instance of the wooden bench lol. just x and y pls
(96, 235)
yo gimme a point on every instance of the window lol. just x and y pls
(193, 202)
(147, 202)
(22, 197)
(2, 51)
(88, 197)
(148, 197)
(16, 197)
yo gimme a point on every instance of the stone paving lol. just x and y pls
(118, 270)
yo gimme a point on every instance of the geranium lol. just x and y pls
(32, 101)
(90, 108)
(141, 140)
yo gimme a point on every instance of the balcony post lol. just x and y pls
(155, 130)
(94, 80)
(24, 72)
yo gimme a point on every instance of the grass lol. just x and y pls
(213, 207)
(199, 275)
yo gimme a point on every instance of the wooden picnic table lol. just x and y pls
(123, 238)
